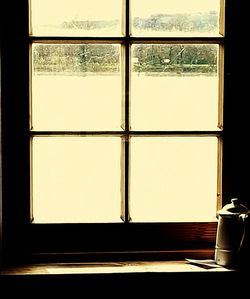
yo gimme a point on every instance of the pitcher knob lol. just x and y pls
(235, 201)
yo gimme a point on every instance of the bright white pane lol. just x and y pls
(175, 17)
(76, 87)
(174, 87)
(173, 179)
(76, 179)
(76, 17)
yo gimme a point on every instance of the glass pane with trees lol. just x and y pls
(174, 87)
(175, 17)
(76, 18)
(72, 84)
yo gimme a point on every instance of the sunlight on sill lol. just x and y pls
(111, 268)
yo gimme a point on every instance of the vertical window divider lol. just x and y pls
(31, 218)
(221, 85)
(127, 107)
(219, 173)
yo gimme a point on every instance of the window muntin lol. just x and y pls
(153, 125)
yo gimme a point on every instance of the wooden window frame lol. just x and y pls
(23, 240)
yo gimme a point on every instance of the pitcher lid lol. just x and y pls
(233, 208)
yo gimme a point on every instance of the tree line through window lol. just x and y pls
(105, 58)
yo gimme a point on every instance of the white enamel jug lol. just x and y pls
(231, 232)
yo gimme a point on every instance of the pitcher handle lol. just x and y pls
(243, 217)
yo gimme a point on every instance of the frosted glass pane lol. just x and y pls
(174, 87)
(175, 17)
(76, 17)
(76, 179)
(76, 87)
(173, 179)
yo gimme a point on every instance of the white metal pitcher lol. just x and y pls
(231, 233)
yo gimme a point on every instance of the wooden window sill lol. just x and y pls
(101, 279)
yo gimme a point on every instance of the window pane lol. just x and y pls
(175, 17)
(173, 179)
(76, 87)
(76, 17)
(174, 87)
(76, 179)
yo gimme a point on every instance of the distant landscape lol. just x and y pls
(147, 58)
(196, 22)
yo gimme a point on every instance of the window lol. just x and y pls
(120, 91)
(119, 125)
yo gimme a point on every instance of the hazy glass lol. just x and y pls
(76, 87)
(174, 87)
(76, 17)
(175, 17)
(76, 179)
(173, 179)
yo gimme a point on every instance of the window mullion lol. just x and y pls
(127, 107)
